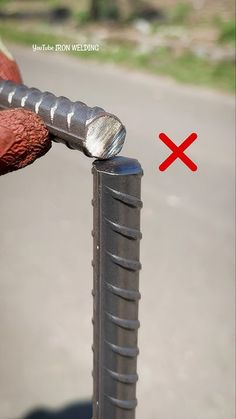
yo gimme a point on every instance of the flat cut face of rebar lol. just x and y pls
(105, 137)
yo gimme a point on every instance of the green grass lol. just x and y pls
(82, 17)
(186, 68)
(180, 13)
(11, 33)
(227, 32)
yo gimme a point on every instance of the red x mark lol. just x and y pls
(178, 151)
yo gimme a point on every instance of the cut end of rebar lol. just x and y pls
(105, 137)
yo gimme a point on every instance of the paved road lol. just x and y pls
(187, 283)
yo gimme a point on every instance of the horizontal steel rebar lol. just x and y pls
(91, 130)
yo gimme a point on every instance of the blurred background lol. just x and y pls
(162, 66)
(191, 41)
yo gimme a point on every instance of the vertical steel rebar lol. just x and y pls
(116, 233)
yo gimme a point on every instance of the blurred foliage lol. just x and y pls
(3, 2)
(82, 17)
(179, 13)
(104, 10)
(182, 66)
(186, 68)
(227, 31)
(28, 37)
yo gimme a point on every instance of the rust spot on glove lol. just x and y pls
(23, 138)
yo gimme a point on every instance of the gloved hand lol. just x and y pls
(23, 135)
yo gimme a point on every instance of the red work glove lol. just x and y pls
(23, 135)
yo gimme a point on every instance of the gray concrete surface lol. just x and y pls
(186, 340)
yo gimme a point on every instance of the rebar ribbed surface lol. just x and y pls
(92, 130)
(116, 233)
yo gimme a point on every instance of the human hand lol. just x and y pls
(23, 135)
